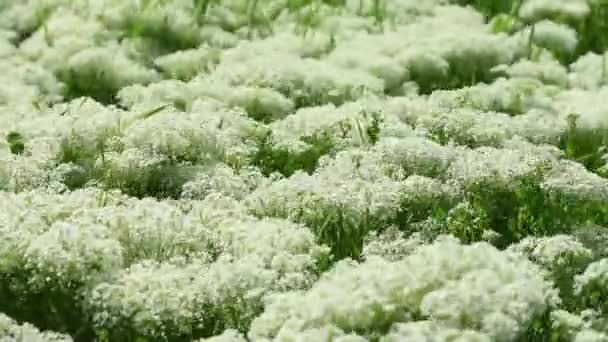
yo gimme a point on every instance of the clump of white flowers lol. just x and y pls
(193, 298)
(306, 81)
(562, 256)
(512, 96)
(558, 38)
(186, 64)
(222, 179)
(499, 165)
(546, 70)
(13, 331)
(416, 155)
(590, 335)
(351, 124)
(99, 71)
(591, 285)
(463, 287)
(70, 255)
(573, 180)
(229, 335)
(391, 244)
(207, 132)
(156, 298)
(542, 9)
(432, 331)
(589, 71)
(263, 104)
(349, 196)
(559, 253)
(152, 230)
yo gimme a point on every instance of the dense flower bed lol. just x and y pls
(303, 170)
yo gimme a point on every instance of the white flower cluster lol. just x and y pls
(576, 327)
(71, 254)
(588, 72)
(540, 9)
(592, 285)
(350, 195)
(83, 242)
(178, 297)
(186, 64)
(516, 95)
(500, 165)
(345, 126)
(562, 256)
(12, 331)
(391, 244)
(458, 54)
(558, 38)
(206, 131)
(546, 70)
(463, 287)
(558, 253)
(416, 155)
(430, 331)
(222, 179)
(573, 180)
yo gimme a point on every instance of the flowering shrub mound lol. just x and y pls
(308, 170)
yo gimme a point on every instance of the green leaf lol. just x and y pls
(15, 142)
(504, 23)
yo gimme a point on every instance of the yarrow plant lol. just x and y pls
(303, 170)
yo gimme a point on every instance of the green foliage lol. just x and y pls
(594, 237)
(163, 38)
(468, 223)
(15, 142)
(125, 333)
(93, 84)
(161, 180)
(413, 210)
(505, 23)
(463, 72)
(372, 132)
(75, 151)
(504, 17)
(521, 209)
(271, 158)
(592, 31)
(524, 208)
(586, 146)
(491, 8)
(55, 308)
(201, 8)
(344, 230)
(164, 180)
(541, 330)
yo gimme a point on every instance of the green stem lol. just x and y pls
(530, 42)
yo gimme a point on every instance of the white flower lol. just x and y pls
(541, 9)
(11, 331)
(429, 331)
(459, 286)
(186, 64)
(572, 179)
(558, 38)
(587, 72)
